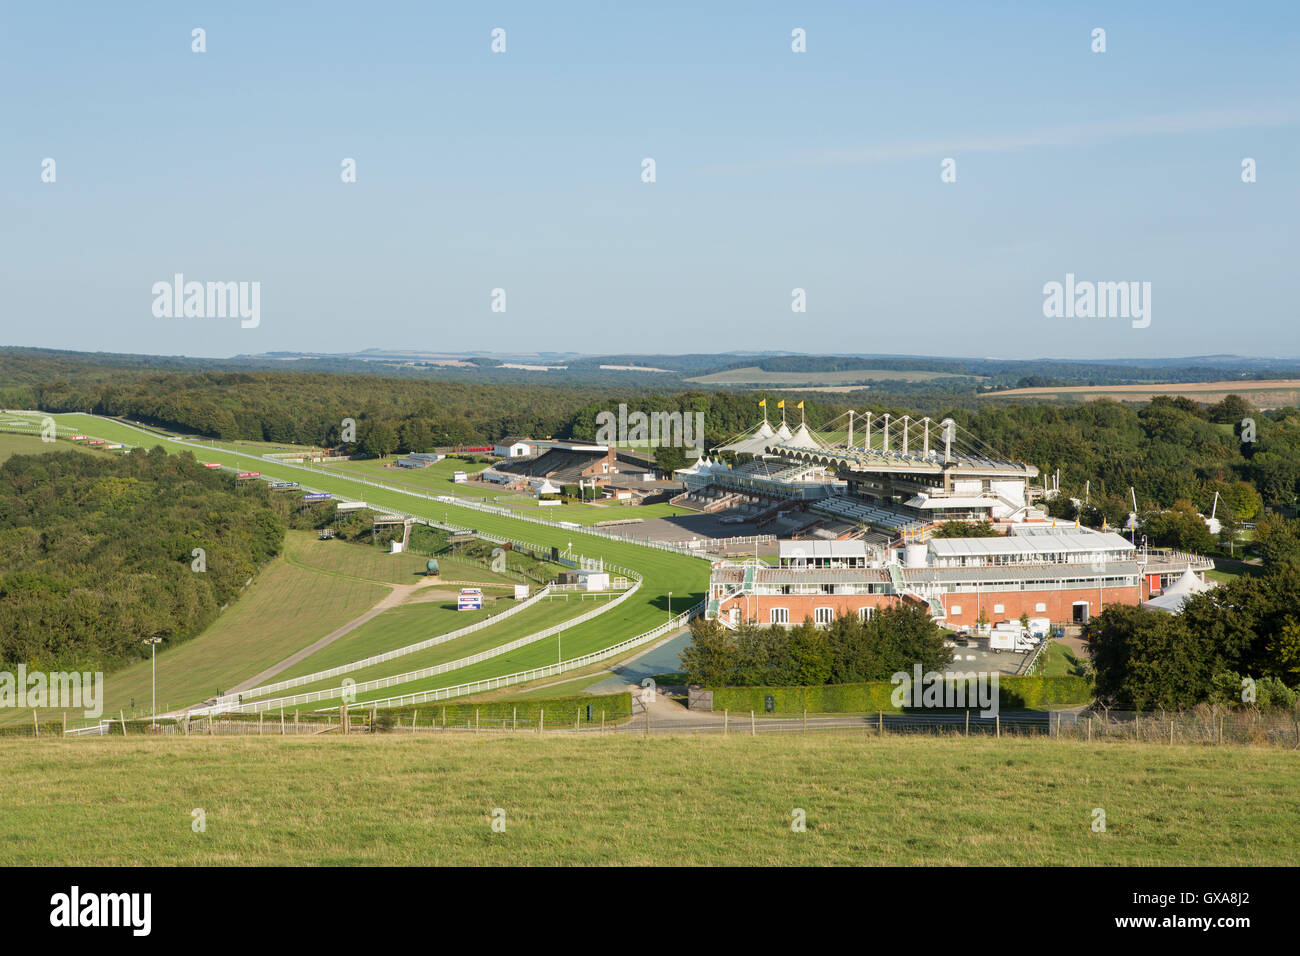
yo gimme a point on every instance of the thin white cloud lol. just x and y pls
(1072, 134)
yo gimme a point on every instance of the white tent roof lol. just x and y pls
(802, 439)
(1169, 603)
(1173, 598)
(783, 432)
(754, 443)
(1188, 584)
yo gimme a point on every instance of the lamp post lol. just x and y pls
(153, 644)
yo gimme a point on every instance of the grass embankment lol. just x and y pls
(1058, 660)
(620, 800)
(284, 609)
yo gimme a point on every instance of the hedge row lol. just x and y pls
(1014, 693)
(561, 709)
(49, 728)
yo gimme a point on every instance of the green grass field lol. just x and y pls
(664, 571)
(625, 800)
(298, 619)
(546, 651)
(568, 688)
(590, 514)
(1059, 661)
(374, 564)
(416, 622)
(11, 444)
(436, 478)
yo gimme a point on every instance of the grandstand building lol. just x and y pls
(902, 477)
(1066, 576)
(860, 513)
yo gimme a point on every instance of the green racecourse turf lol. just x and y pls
(374, 564)
(663, 571)
(590, 514)
(568, 688)
(11, 444)
(618, 800)
(416, 622)
(437, 479)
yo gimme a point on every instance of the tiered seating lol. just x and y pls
(853, 509)
(706, 499)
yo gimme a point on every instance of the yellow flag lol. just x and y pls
(800, 405)
(762, 403)
(781, 403)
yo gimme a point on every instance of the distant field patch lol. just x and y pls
(1265, 393)
(753, 375)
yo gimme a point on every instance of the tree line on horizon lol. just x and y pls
(1174, 453)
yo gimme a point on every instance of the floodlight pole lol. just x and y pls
(153, 644)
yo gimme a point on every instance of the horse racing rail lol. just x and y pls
(292, 682)
(410, 676)
(550, 670)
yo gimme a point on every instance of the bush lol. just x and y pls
(1014, 693)
(564, 709)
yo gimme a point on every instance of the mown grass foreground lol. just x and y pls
(629, 800)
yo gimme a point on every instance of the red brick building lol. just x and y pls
(1065, 576)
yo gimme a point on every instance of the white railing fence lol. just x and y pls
(289, 683)
(550, 670)
(333, 693)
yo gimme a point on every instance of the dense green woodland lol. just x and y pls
(96, 553)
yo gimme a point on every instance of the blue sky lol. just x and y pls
(775, 170)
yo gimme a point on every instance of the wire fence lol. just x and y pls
(1201, 727)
